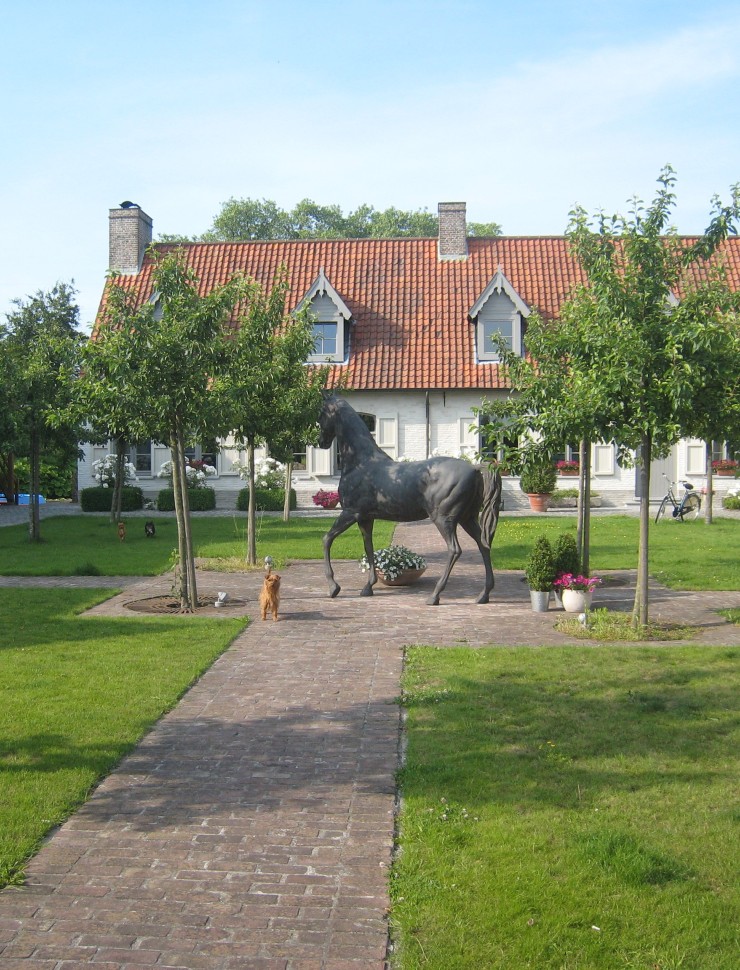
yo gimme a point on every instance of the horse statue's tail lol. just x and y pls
(488, 515)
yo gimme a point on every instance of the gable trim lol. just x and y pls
(499, 284)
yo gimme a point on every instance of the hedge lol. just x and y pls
(201, 500)
(98, 499)
(265, 499)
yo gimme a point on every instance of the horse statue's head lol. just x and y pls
(328, 421)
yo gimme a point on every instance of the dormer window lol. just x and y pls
(499, 312)
(331, 318)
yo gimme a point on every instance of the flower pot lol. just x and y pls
(568, 472)
(330, 505)
(725, 472)
(406, 578)
(538, 502)
(576, 600)
(540, 599)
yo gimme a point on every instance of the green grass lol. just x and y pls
(89, 545)
(683, 555)
(689, 555)
(569, 808)
(75, 695)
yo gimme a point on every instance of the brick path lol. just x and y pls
(253, 826)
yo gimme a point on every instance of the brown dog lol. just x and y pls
(270, 595)
(121, 531)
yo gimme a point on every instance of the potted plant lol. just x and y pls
(326, 499)
(567, 561)
(537, 480)
(540, 574)
(567, 467)
(396, 565)
(576, 591)
(725, 466)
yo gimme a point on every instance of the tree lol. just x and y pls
(243, 220)
(266, 393)
(163, 359)
(632, 356)
(40, 344)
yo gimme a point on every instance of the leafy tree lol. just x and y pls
(163, 360)
(625, 362)
(39, 346)
(242, 220)
(265, 392)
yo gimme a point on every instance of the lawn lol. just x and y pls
(77, 694)
(569, 808)
(687, 555)
(89, 545)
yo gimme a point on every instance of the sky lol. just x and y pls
(522, 110)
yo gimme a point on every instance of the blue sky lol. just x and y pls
(519, 109)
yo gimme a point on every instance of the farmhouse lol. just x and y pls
(406, 325)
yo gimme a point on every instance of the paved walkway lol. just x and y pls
(253, 826)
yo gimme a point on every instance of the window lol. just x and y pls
(141, 456)
(499, 312)
(568, 453)
(331, 317)
(324, 340)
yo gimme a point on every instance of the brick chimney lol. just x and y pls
(453, 237)
(130, 232)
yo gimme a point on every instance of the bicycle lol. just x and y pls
(686, 506)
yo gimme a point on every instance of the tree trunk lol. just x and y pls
(117, 499)
(709, 497)
(189, 550)
(585, 497)
(251, 516)
(182, 574)
(288, 480)
(34, 518)
(640, 608)
(580, 503)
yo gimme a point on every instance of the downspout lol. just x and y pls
(428, 424)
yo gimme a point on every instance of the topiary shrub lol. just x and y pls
(98, 499)
(538, 478)
(265, 499)
(540, 570)
(201, 500)
(566, 555)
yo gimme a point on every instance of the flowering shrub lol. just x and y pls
(732, 499)
(104, 471)
(197, 473)
(393, 560)
(268, 472)
(567, 466)
(327, 500)
(569, 581)
(724, 465)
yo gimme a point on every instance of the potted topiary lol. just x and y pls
(540, 574)
(538, 480)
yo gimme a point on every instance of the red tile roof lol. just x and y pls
(410, 310)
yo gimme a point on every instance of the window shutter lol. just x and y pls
(319, 460)
(696, 459)
(603, 459)
(387, 436)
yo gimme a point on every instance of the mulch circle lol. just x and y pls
(170, 606)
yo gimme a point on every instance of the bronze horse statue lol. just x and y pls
(449, 491)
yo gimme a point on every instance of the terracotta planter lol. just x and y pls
(569, 472)
(406, 578)
(576, 600)
(538, 503)
(725, 472)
